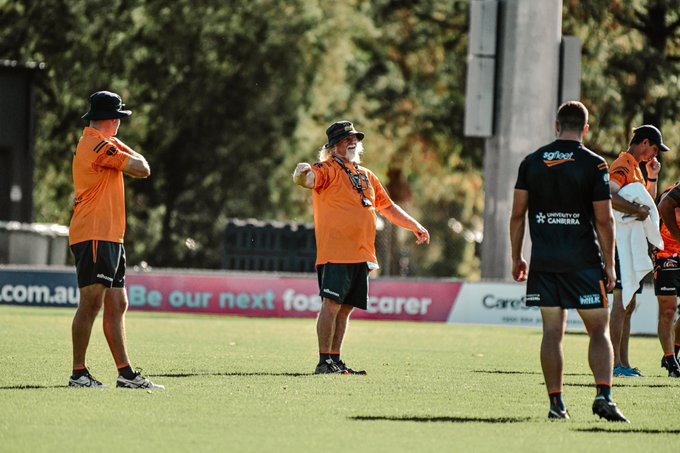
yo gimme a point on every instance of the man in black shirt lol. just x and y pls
(564, 187)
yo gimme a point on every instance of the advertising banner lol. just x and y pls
(38, 288)
(254, 295)
(261, 295)
(292, 296)
(489, 303)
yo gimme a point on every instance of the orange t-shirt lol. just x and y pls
(670, 247)
(625, 170)
(344, 228)
(99, 208)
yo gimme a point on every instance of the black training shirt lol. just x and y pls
(563, 179)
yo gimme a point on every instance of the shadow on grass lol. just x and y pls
(620, 384)
(33, 387)
(524, 372)
(627, 431)
(374, 418)
(233, 374)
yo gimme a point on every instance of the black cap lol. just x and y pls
(651, 133)
(105, 105)
(339, 130)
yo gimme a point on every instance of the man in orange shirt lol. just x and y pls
(96, 238)
(346, 198)
(667, 279)
(644, 146)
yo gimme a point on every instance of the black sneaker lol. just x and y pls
(558, 414)
(329, 367)
(607, 409)
(671, 364)
(139, 382)
(86, 381)
(342, 366)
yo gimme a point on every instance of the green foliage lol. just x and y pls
(630, 70)
(229, 96)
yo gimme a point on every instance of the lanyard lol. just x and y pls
(357, 180)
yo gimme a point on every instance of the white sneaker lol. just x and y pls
(139, 382)
(86, 381)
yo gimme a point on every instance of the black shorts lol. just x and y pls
(617, 268)
(344, 283)
(581, 289)
(666, 277)
(100, 262)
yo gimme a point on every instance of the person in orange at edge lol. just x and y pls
(96, 238)
(643, 147)
(667, 279)
(346, 198)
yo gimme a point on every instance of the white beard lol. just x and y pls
(354, 154)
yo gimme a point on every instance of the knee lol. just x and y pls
(330, 306)
(345, 310)
(666, 313)
(117, 307)
(553, 335)
(89, 307)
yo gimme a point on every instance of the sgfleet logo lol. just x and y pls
(553, 158)
(558, 218)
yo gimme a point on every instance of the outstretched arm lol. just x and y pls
(304, 176)
(399, 217)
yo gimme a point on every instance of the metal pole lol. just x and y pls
(529, 35)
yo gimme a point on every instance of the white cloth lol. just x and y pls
(632, 236)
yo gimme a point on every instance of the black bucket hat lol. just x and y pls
(339, 130)
(105, 105)
(651, 133)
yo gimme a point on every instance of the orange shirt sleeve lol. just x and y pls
(382, 199)
(110, 156)
(323, 172)
(621, 172)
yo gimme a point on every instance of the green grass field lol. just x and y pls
(239, 384)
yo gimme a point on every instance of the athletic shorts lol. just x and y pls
(581, 289)
(344, 283)
(617, 268)
(100, 262)
(667, 277)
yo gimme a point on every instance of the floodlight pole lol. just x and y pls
(525, 102)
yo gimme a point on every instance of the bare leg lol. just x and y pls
(325, 324)
(115, 306)
(91, 300)
(552, 358)
(600, 354)
(625, 333)
(616, 325)
(665, 326)
(676, 337)
(341, 322)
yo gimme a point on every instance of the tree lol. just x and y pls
(630, 62)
